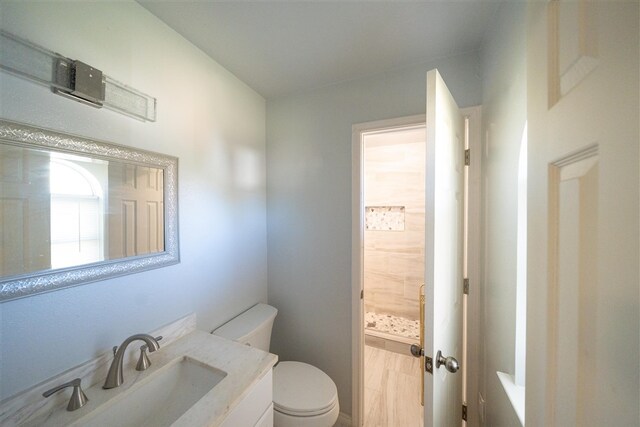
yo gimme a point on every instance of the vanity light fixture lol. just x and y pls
(72, 79)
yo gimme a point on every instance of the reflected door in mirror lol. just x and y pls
(25, 210)
(136, 220)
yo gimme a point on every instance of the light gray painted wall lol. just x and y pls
(309, 204)
(504, 114)
(212, 121)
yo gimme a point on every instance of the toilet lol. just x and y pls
(303, 395)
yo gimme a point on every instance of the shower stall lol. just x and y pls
(394, 196)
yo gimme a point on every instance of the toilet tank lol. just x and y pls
(253, 327)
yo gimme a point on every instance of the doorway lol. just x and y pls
(366, 340)
(393, 260)
(390, 176)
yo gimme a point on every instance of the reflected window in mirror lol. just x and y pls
(77, 203)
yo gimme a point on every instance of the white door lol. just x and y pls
(583, 305)
(444, 254)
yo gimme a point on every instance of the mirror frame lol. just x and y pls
(19, 286)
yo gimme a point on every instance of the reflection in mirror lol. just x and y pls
(57, 207)
(25, 213)
(135, 210)
(80, 212)
(77, 210)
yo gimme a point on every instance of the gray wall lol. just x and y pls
(504, 114)
(212, 121)
(309, 203)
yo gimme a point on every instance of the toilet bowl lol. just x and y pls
(303, 395)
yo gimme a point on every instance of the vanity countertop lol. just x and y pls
(244, 367)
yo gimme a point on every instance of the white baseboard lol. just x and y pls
(344, 420)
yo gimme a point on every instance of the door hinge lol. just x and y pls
(362, 294)
(465, 286)
(464, 411)
(467, 157)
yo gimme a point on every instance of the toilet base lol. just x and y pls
(328, 419)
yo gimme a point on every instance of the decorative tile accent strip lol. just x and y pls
(395, 325)
(384, 218)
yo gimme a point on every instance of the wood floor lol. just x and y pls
(391, 389)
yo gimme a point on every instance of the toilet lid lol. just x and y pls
(302, 389)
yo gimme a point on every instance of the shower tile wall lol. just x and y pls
(394, 260)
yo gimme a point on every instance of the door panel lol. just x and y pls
(443, 251)
(583, 307)
(25, 211)
(136, 210)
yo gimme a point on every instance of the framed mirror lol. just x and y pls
(74, 210)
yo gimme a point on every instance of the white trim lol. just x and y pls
(473, 262)
(521, 265)
(357, 227)
(515, 393)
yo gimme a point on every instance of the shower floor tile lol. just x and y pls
(395, 325)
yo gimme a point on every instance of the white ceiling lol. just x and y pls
(282, 47)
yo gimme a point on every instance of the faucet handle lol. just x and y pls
(78, 398)
(143, 361)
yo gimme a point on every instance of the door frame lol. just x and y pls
(357, 254)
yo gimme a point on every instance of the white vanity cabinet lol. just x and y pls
(256, 408)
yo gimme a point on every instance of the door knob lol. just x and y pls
(450, 363)
(416, 350)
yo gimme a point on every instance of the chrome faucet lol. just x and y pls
(114, 377)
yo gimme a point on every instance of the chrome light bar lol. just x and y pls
(71, 78)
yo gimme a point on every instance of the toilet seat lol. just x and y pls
(302, 390)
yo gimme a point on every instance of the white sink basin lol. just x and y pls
(160, 399)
